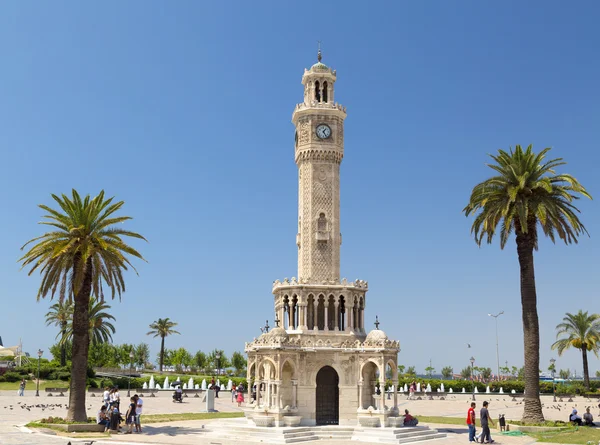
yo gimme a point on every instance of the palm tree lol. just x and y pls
(82, 252)
(101, 330)
(162, 328)
(580, 331)
(59, 315)
(525, 195)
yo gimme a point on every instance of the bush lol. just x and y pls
(12, 377)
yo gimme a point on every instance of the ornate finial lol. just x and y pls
(319, 57)
(277, 321)
(376, 322)
(267, 327)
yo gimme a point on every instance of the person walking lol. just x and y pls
(471, 422)
(240, 397)
(484, 416)
(138, 413)
(22, 388)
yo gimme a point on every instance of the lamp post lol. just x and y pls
(37, 388)
(552, 362)
(472, 360)
(130, 371)
(497, 354)
(218, 357)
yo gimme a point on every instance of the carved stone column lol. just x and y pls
(350, 322)
(336, 319)
(360, 394)
(395, 383)
(258, 383)
(326, 317)
(294, 394)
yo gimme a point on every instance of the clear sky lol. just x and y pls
(183, 109)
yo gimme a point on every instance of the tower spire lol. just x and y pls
(319, 57)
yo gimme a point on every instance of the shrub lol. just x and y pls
(12, 377)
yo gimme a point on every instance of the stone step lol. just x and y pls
(420, 438)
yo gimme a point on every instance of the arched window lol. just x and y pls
(317, 91)
(321, 313)
(324, 91)
(322, 223)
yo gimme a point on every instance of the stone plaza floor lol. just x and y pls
(12, 421)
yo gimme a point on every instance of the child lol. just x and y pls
(130, 416)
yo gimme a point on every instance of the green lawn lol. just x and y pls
(570, 435)
(157, 418)
(575, 435)
(31, 385)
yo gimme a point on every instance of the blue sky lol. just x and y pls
(183, 110)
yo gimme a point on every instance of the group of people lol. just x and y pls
(484, 415)
(237, 394)
(111, 409)
(588, 419)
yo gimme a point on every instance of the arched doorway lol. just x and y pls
(328, 397)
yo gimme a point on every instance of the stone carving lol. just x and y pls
(304, 133)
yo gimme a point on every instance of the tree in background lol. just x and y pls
(163, 327)
(200, 361)
(486, 373)
(181, 359)
(429, 370)
(504, 370)
(465, 373)
(598, 374)
(100, 327)
(552, 368)
(523, 195)
(83, 250)
(239, 362)
(103, 355)
(564, 374)
(142, 355)
(580, 331)
(59, 315)
(57, 350)
(401, 369)
(222, 363)
(411, 371)
(447, 372)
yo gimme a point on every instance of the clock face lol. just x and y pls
(323, 131)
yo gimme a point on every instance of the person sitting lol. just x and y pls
(102, 418)
(588, 419)
(409, 420)
(574, 418)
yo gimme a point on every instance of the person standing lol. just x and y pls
(130, 416)
(22, 388)
(471, 422)
(106, 396)
(484, 416)
(138, 413)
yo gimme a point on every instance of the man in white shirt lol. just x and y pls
(106, 397)
(117, 398)
(138, 412)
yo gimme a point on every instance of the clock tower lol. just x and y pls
(319, 151)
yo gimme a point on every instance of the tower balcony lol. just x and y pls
(322, 236)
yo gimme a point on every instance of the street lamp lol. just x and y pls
(37, 389)
(472, 360)
(130, 371)
(218, 357)
(497, 354)
(552, 362)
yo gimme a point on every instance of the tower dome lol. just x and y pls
(376, 335)
(277, 332)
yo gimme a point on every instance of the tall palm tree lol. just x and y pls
(101, 329)
(163, 327)
(526, 195)
(580, 331)
(82, 252)
(59, 315)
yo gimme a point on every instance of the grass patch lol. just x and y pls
(158, 418)
(550, 423)
(31, 385)
(575, 435)
(446, 420)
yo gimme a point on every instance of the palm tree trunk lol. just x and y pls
(81, 343)
(531, 331)
(586, 371)
(63, 346)
(162, 352)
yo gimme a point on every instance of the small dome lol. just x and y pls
(277, 332)
(376, 335)
(319, 67)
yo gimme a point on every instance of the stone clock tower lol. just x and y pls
(318, 365)
(319, 151)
